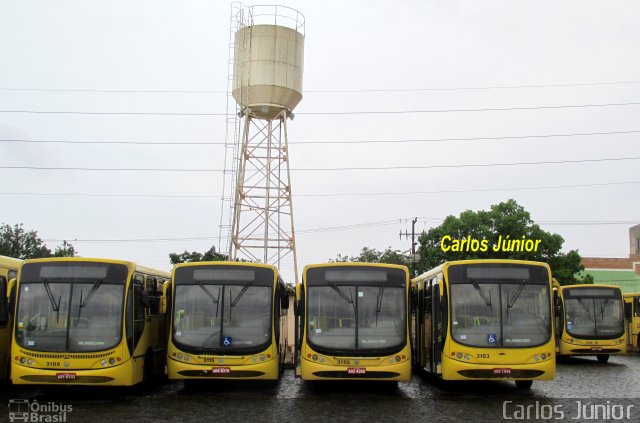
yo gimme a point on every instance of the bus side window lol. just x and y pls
(153, 295)
(636, 306)
(138, 309)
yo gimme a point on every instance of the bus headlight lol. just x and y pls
(390, 360)
(112, 361)
(536, 357)
(103, 363)
(23, 360)
(459, 356)
(30, 362)
(321, 359)
(179, 356)
(467, 357)
(543, 356)
(187, 358)
(254, 358)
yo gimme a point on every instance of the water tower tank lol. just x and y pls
(268, 60)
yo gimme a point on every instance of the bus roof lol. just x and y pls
(131, 265)
(430, 273)
(10, 262)
(356, 264)
(586, 285)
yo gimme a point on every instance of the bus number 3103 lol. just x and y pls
(482, 355)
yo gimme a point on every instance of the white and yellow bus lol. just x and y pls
(228, 321)
(352, 322)
(484, 320)
(589, 320)
(82, 321)
(8, 270)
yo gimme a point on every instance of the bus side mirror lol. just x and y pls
(4, 302)
(166, 287)
(284, 300)
(11, 295)
(627, 311)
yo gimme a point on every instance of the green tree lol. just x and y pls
(16, 241)
(371, 255)
(188, 257)
(507, 219)
(65, 250)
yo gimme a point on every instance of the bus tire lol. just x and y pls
(524, 384)
(603, 358)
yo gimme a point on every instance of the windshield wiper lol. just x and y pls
(479, 291)
(379, 302)
(343, 295)
(54, 305)
(215, 300)
(241, 293)
(515, 297)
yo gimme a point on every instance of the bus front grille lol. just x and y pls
(66, 356)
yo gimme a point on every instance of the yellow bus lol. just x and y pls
(484, 320)
(8, 271)
(589, 320)
(228, 321)
(352, 322)
(632, 320)
(82, 321)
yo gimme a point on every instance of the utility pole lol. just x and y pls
(413, 243)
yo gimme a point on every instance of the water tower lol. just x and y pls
(267, 86)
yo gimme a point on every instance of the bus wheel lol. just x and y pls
(524, 384)
(603, 358)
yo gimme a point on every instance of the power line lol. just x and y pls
(334, 113)
(486, 109)
(426, 140)
(307, 231)
(365, 90)
(353, 194)
(332, 169)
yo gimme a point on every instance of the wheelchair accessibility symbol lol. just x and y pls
(492, 338)
(228, 341)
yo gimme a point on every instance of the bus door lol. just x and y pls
(439, 325)
(136, 300)
(558, 311)
(298, 312)
(628, 316)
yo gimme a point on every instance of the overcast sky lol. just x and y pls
(438, 62)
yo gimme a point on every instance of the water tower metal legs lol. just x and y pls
(263, 229)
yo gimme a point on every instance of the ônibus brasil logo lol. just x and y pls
(24, 410)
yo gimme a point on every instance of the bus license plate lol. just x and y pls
(596, 349)
(65, 376)
(221, 370)
(502, 371)
(356, 370)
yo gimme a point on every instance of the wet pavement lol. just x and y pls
(583, 390)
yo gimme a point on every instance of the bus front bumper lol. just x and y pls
(459, 370)
(267, 370)
(120, 375)
(397, 372)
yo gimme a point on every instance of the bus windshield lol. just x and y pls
(70, 306)
(355, 309)
(594, 312)
(500, 305)
(223, 307)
